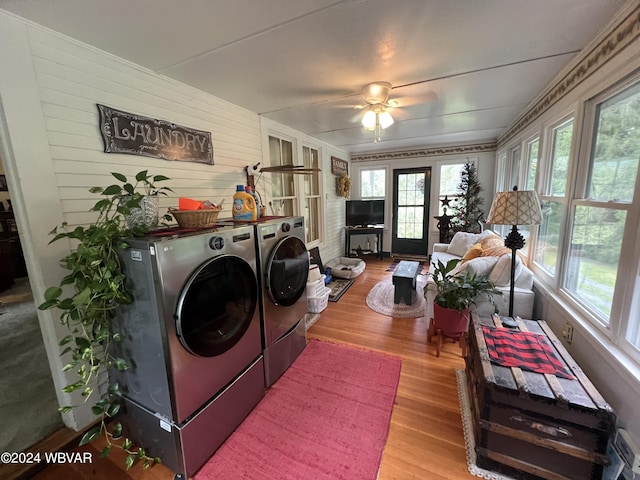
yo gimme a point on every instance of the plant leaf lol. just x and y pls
(91, 435)
(117, 430)
(119, 176)
(121, 364)
(142, 176)
(52, 293)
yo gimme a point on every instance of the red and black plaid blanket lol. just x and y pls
(526, 350)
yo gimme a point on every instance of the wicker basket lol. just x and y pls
(195, 218)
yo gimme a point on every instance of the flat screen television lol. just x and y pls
(363, 213)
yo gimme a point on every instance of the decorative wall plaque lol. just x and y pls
(124, 132)
(339, 167)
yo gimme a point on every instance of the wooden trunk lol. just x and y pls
(531, 425)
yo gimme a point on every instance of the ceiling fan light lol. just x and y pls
(369, 120)
(386, 120)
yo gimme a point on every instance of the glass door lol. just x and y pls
(411, 192)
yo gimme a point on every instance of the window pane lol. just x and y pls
(533, 164)
(515, 168)
(311, 216)
(287, 208)
(311, 182)
(449, 179)
(410, 222)
(282, 184)
(560, 159)
(450, 176)
(548, 239)
(372, 183)
(614, 162)
(594, 254)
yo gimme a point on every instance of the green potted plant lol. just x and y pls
(88, 297)
(455, 293)
(140, 201)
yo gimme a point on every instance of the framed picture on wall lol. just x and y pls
(3, 184)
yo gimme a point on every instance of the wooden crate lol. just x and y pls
(532, 425)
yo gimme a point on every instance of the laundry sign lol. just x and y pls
(124, 132)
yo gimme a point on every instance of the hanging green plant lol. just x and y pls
(96, 288)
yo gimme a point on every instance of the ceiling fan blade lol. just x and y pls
(412, 100)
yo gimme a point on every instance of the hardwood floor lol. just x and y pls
(425, 438)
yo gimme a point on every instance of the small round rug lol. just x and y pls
(380, 299)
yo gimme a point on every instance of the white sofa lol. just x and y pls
(492, 261)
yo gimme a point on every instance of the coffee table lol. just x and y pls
(404, 280)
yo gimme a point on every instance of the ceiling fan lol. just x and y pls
(377, 104)
(376, 117)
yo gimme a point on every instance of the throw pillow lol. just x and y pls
(473, 252)
(461, 242)
(491, 241)
(481, 265)
(496, 251)
(500, 276)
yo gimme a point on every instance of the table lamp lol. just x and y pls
(515, 208)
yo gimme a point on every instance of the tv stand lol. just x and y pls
(377, 230)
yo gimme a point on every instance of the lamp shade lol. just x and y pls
(369, 120)
(515, 208)
(386, 120)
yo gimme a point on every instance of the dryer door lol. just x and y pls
(216, 305)
(287, 271)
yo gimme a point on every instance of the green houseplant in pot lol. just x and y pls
(88, 297)
(455, 293)
(140, 202)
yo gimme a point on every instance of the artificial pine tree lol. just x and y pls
(466, 210)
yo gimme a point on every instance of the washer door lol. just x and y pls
(216, 306)
(287, 271)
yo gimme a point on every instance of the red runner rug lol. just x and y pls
(326, 418)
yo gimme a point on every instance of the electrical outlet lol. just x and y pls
(567, 332)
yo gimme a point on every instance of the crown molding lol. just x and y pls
(594, 57)
(427, 152)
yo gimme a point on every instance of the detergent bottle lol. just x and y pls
(244, 206)
(250, 191)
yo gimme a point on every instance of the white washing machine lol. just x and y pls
(283, 263)
(193, 340)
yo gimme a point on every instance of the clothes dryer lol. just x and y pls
(283, 263)
(192, 338)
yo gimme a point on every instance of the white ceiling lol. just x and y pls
(464, 68)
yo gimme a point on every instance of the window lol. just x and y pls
(532, 164)
(552, 198)
(600, 217)
(372, 183)
(283, 191)
(312, 204)
(530, 171)
(514, 168)
(293, 193)
(450, 176)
